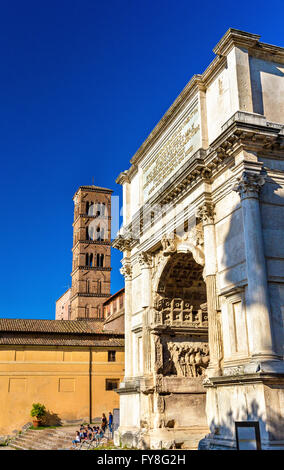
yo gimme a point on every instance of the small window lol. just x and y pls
(112, 384)
(111, 356)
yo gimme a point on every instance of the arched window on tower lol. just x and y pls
(91, 209)
(100, 260)
(98, 234)
(87, 311)
(91, 262)
(87, 259)
(98, 210)
(90, 232)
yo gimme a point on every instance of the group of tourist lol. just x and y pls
(89, 433)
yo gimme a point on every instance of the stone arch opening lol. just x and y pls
(182, 278)
(180, 339)
(181, 318)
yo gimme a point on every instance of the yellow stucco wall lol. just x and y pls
(58, 377)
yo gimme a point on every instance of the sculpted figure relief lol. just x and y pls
(187, 360)
(168, 244)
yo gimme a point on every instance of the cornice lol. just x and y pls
(235, 37)
(93, 217)
(123, 177)
(82, 294)
(90, 242)
(94, 189)
(243, 378)
(90, 268)
(250, 42)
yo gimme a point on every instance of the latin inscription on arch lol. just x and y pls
(182, 143)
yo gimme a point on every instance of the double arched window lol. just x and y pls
(90, 260)
(95, 209)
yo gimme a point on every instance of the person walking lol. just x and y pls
(110, 421)
(104, 422)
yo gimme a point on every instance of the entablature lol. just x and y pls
(243, 131)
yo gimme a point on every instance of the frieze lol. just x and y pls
(185, 359)
(179, 313)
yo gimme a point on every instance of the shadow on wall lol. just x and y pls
(233, 261)
(258, 68)
(225, 429)
(51, 419)
(233, 271)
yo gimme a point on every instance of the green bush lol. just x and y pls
(38, 410)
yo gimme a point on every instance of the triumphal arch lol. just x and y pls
(203, 260)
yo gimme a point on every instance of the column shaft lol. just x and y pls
(257, 299)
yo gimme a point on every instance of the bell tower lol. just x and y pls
(91, 265)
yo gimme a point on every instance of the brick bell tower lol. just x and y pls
(91, 265)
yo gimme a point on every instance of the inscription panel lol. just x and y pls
(179, 146)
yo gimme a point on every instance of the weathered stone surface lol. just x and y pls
(205, 196)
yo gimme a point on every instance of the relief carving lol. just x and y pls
(158, 354)
(168, 244)
(187, 360)
(179, 312)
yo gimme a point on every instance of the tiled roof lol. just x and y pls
(57, 332)
(52, 326)
(58, 340)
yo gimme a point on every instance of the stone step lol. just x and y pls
(29, 444)
(45, 439)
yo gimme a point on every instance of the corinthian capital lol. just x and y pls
(249, 184)
(206, 213)
(126, 271)
(145, 259)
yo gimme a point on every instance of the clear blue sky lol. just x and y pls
(83, 82)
